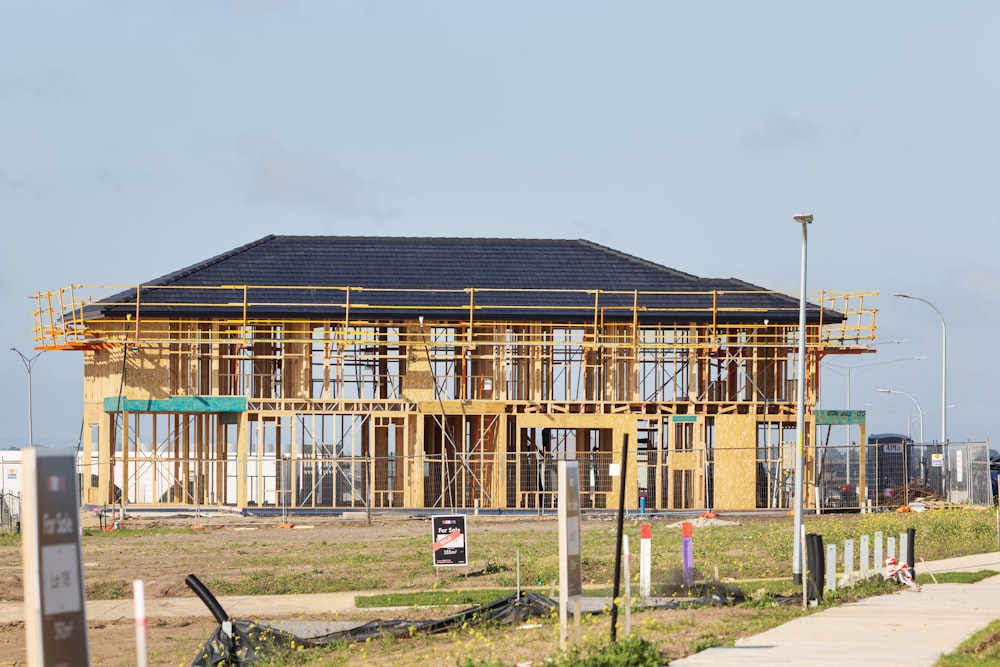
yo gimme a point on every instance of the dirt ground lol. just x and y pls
(174, 641)
(222, 545)
(225, 545)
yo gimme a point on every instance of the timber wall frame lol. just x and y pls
(233, 403)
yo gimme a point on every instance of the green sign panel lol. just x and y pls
(177, 404)
(824, 417)
(684, 418)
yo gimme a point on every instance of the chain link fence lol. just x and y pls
(899, 472)
(882, 476)
(10, 512)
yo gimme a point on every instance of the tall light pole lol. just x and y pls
(29, 363)
(919, 411)
(944, 366)
(804, 219)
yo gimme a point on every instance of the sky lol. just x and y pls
(141, 137)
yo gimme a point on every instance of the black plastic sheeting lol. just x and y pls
(508, 610)
(235, 643)
(243, 644)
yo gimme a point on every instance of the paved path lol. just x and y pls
(237, 606)
(906, 629)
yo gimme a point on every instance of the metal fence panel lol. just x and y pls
(10, 512)
(897, 474)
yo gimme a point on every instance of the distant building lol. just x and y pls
(441, 373)
(11, 480)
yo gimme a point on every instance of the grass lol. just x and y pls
(489, 646)
(863, 589)
(128, 531)
(757, 593)
(758, 549)
(979, 650)
(268, 582)
(769, 587)
(538, 642)
(955, 577)
(753, 556)
(109, 590)
(479, 596)
(630, 652)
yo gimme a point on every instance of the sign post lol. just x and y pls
(570, 575)
(687, 554)
(55, 620)
(450, 543)
(645, 558)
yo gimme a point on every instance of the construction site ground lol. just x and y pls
(179, 623)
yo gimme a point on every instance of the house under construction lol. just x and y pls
(335, 373)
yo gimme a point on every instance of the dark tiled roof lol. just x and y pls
(452, 265)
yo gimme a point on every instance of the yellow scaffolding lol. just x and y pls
(71, 319)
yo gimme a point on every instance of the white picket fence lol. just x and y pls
(870, 561)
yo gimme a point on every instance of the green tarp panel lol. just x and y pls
(177, 404)
(825, 417)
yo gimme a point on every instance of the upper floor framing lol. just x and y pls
(724, 354)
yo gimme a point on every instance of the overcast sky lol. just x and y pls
(140, 137)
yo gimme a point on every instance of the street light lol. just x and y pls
(919, 411)
(29, 363)
(944, 366)
(864, 368)
(906, 469)
(804, 219)
(907, 414)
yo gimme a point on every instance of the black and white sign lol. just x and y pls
(55, 619)
(570, 570)
(450, 540)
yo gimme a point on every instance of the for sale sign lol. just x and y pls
(55, 621)
(570, 570)
(450, 544)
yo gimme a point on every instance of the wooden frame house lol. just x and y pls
(346, 373)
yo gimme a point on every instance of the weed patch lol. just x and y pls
(955, 577)
(109, 589)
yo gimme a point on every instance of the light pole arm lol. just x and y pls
(919, 411)
(29, 363)
(944, 365)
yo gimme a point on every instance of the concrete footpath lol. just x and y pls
(237, 606)
(906, 629)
